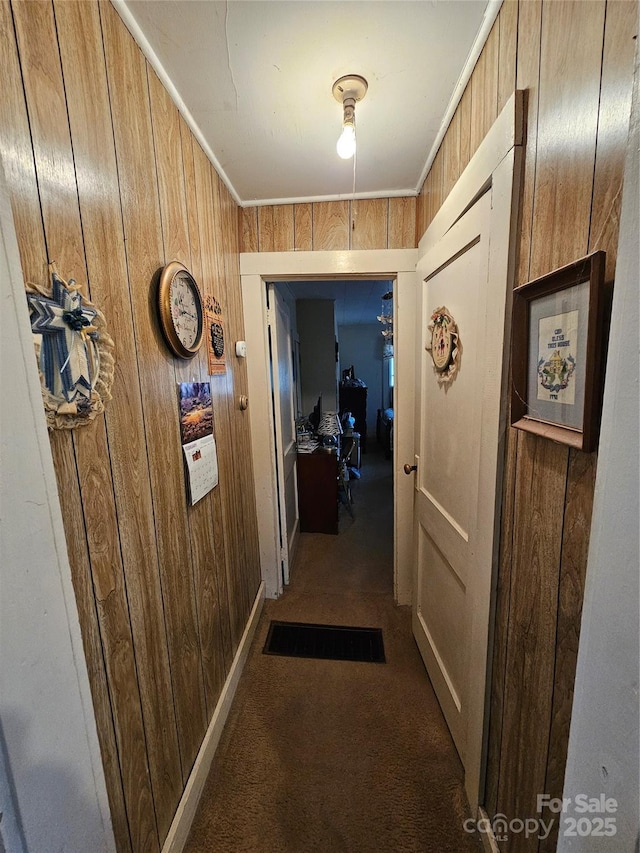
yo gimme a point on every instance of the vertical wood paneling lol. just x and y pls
(575, 546)
(170, 173)
(437, 174)
(224, 568)
(219, 388)
(17, 157)
(250, 576)
(126, 70)
(508, 23)
(421, 211)
(283, 228)
(378, 223)
(209, 565)
(53, 159)
(331, 226)
(427, 206)
(451, 156)
(35, 27)
(175, 229)
(16, 152)
(303, 214)
(265, 228)
(402, 223)
(235, 464)
(615, 97)
(528, 77)
(464, 107)
(621, 27)
(567, 126)
(484, 89)
(537, 526)
(369, 223)
(103, 180)
(89, 116)
(249, 218)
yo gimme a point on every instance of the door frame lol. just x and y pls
(259, 268)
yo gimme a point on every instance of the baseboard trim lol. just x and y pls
(181, 824)
(489, 843)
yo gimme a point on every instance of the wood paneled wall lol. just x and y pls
(107, 180)
(376, 223)
(575, 62)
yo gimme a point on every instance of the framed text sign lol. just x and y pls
(557, 359)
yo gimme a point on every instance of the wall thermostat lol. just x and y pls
(241, 349)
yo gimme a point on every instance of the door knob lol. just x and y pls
(409, 468)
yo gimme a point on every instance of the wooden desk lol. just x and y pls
(318, 492)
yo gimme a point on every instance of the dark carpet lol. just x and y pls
(324, 755)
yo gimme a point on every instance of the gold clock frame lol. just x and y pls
(168, 274)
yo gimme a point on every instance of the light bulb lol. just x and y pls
(346, 145)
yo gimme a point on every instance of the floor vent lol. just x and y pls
(330, 642)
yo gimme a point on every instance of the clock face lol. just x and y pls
(184, 311)
(180, 308)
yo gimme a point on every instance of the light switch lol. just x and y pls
(241, 349)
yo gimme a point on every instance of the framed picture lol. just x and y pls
(556, 352)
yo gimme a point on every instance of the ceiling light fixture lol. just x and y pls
(348, 90)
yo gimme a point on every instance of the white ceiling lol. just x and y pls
(256, 77)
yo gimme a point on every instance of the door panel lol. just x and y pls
(443, 613)
(285, 428)
(457, 448)
(454, 275)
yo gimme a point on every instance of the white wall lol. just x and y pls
(361, 346)
(316, 328)
(52, 790)
(604, 753)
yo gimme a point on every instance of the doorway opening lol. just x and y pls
(331, 369)
(258, 272)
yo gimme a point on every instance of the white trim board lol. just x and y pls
(186, 811)
(256, 268)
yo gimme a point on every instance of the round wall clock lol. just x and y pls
(180, 309)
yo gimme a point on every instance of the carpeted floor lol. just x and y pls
(322, 755)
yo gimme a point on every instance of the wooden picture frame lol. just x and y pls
(557, 353)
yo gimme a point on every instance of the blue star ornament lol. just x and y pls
(68, 355)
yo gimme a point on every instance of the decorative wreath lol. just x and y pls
(74, 352)
(445, 346)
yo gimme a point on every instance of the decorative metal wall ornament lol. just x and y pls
(445, 345)
(74, 352)
(214, 322)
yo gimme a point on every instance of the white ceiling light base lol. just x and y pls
(350, 86)
(347, 90)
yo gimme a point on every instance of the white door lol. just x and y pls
(284, 414)
(464, 267)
